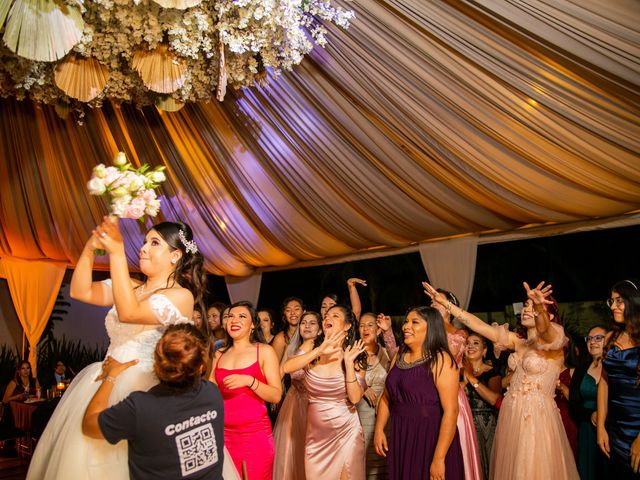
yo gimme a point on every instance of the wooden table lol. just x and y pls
(22, 413)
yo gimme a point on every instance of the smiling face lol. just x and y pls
(368, 328)
(595, 341)
(239, 323)
(309, 326)
(266, 324)
(327, 303)
(617, 307)
(196, 316)
(156, 255)
(476, 348)
(414, 330)
(334, 320)
(292, 313)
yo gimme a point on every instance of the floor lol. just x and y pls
(13, 467)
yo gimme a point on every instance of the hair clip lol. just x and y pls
(189, 245)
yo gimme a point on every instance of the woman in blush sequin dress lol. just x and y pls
(530, 441)
(248, 375)
(334, 442)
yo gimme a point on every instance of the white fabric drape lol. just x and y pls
(244, 288)
(34, 287)
(451, 264)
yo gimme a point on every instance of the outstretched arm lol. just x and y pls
(468, 319)
(331, 344)
(354, 297)
(82, 286)
(538, 296)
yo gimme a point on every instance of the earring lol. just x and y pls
(173, 260)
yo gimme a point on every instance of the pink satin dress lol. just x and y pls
(247, 429)
(334, 439)
(466, 429)
(289, 431)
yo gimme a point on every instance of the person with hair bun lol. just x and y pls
(175, 429)
(248, 375)
(174, 281)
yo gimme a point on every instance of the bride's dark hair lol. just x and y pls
(189, 272)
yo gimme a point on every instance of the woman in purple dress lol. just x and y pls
(421, 397)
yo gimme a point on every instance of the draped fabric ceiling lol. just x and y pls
(423, 120)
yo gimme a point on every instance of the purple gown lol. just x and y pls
(415, 424)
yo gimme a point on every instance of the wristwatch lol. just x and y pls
(475, 385)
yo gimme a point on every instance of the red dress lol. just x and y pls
(247, 429)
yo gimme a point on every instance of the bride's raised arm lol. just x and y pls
(83, 287)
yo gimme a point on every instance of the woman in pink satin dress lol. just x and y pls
(248, 374)
(457, 340)
(334, 442)
(530, 441)
(289, 431)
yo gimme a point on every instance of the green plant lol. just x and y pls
(73, 353)
(8, 363)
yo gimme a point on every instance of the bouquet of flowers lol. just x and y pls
(131, 192)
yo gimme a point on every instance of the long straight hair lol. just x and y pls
(435, 342)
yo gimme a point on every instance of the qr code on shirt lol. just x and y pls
(197, 449)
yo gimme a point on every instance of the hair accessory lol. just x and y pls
(189, 245)
(629, 281)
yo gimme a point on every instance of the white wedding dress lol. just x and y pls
(64, 452)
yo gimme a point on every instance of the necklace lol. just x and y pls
(143, 289)
(476, 370)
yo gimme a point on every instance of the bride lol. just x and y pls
(175, 279)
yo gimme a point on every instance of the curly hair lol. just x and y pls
(181, 356)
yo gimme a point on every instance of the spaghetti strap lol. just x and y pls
(218, 360)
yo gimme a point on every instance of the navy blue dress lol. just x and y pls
(623, 416)
(415, 424)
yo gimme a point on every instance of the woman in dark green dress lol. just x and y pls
(583, 393)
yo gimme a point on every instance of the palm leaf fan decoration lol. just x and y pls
(178, 4)
(81, 78)
(41, 30)
(161, 71)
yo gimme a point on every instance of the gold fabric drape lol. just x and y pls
(34, 287)
(423, 120)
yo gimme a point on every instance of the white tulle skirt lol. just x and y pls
(64, 452)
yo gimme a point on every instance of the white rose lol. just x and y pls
(96, 186)
(100, 171)
(119, 192)
(157, 177)
(120, 159)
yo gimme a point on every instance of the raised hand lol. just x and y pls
(539, 294)
(332, 343)
(237, 380)
(352, 352)
(353, 281)
(434, 295)
(108, 234)
(383, 321)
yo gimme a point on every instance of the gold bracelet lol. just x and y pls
(351, 381)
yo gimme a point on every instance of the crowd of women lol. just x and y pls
(334, 395)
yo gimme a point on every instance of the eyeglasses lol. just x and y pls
(617, 301)
(594, 338)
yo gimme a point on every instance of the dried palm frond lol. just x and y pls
(160, 69)
(41, 30)
(167, 103)
(81, 78)
(178, 4)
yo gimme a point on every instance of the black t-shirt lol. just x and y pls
(170, 435)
